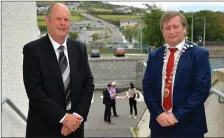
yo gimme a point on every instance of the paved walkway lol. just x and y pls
(95, 125)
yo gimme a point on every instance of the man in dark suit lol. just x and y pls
(107, 101)
(176, 83)
(58, 80)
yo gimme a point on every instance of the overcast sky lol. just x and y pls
(185, 6)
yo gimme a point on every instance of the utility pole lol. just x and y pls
(141, 37)
(192, 28)
(204, 30)
(140, 31)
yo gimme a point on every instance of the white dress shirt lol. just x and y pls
(56, 46)
(179, 47)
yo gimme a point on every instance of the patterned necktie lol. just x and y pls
(65, 71)
(167, 91)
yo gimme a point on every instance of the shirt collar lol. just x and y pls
(57, 45)
(179, 46)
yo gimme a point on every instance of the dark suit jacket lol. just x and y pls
(106, 97)
(45, 89)
(191, 89)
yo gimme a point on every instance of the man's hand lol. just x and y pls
(166, 119)
(172, 117)
(72, 122)
(65, 131)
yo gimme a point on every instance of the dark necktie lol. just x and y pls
(167, 91)
(65, 71)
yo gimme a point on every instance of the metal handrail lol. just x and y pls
(13, 106)
(217, 92)
(140, 118)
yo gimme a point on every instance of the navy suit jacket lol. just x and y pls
(190, 91)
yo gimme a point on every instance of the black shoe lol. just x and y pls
(116, 116)
(105, 121)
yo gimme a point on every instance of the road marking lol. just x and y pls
(92, 98)
(117, 97)
(120, 97)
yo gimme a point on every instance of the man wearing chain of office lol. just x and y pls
(176, 82)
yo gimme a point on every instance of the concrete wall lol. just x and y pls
(19, 26)
(121, 70)
(215, 51)
(214, 110)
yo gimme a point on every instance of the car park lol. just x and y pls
(95, 53)
(119, 52)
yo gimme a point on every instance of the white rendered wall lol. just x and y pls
(19, 26)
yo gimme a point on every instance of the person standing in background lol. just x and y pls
(114, 91)
(132, 94)
(107, 101)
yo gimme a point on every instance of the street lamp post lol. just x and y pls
(203, 27)
(192, 29)
(140, 28)
(204, 31)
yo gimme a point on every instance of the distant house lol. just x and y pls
(83, 25)
(123, 10)
(42, 10)
(128, 23)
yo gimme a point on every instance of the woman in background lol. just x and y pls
(132, 94)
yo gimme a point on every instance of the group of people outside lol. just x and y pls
(109, 100)
(59, 82)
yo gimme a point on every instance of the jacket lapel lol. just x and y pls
(184, 59)
(73, 56)
(160, 65)
(52, 61)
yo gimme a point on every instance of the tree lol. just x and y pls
(130, 32)
(73, 35)
(95, 36)
(151, 32)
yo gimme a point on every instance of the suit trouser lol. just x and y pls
(107, 112)
(114, 107)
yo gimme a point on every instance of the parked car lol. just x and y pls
(119, 52)
(95, 53)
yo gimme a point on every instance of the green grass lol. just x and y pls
(73, 19)
(135, 131)
(80, 11)
(77, 18)
(118, 17)
(41, 23)
(101, 10)
(41, 17)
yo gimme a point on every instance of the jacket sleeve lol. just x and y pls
(153, 107)
(106, 94)
(201, 88)
(33, 81)
(88, 86)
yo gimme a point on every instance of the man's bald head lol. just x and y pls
(49, 10)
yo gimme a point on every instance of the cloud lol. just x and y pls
(185, 6)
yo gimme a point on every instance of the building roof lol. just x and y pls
(129, 20)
